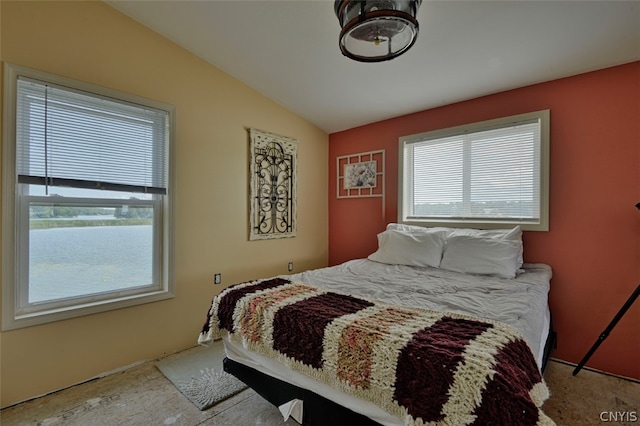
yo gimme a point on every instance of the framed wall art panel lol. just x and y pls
(273, 185)
(360, 175)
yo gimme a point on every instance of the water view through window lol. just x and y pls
(89, 254)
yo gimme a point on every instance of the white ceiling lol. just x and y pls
(288, 50)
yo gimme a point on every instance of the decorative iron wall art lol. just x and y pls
(273, 185)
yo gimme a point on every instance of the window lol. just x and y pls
(86, 199)
(484, 175)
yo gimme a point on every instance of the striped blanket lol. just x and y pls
(423, 366)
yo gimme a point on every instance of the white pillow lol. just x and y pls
(396, 247)
(514, 234)
(481, 255)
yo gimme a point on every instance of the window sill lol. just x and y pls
(11, 322)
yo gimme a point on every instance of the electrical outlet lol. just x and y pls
(217, 278)
(290, 266)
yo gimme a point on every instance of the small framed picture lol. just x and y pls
(360, 175)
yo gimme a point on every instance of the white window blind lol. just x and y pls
(102, 239)
(488, 172)
(67, 137)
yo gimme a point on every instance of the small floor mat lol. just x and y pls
(198, 374)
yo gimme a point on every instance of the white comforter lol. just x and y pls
(520, 302)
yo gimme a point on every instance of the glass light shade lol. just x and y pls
(376, 30)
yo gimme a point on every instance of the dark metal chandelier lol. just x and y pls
(377, 30)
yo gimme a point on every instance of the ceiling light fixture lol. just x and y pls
(376, 30)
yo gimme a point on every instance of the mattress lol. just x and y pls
(520, 302)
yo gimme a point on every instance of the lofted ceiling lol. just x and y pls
(288, 50)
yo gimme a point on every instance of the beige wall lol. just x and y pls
(92, 42)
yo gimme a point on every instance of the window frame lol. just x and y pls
(404, 196)
(15, 220)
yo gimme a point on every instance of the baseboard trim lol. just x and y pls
(617, 376)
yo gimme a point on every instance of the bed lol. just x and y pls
(439, 325)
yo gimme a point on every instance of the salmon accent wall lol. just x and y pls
(593, 243)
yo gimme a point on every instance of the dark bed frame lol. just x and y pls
(317, 410)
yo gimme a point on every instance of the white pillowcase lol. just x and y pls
(481, 255)
(514, 234)
(483, 251)
(396, 247)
